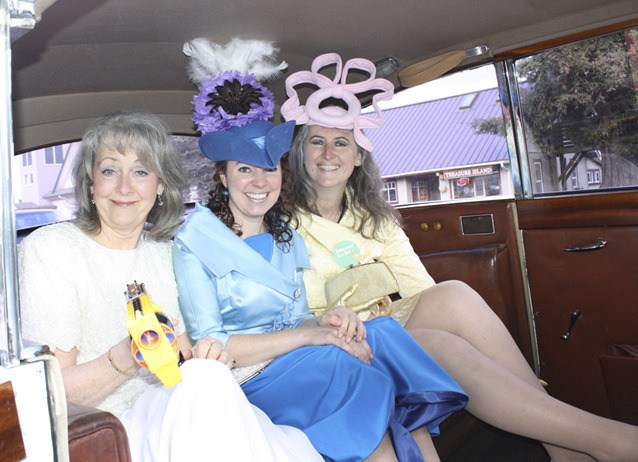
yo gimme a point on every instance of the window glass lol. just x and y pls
(593, 176)
(484, 185)
(444, 141)
(467, 101)
(420, 192)
(27, 159)
(199, 170)
(42, 187)
(55, 154)
(390, 191)
(538, 176)
(579, 109)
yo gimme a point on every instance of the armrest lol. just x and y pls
(10, 432)
(96, 435)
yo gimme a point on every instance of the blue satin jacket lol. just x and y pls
(225, 287)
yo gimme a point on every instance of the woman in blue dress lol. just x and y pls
(239, 270)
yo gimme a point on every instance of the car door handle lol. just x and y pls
(599, 244)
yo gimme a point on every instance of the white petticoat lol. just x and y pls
(207, 417)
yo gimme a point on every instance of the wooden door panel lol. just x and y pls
(486, 269)
(488, 262)
(599, 285)
(11, 442)
(586, 370)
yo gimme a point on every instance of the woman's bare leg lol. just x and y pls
(507, 401)
(383, 452)
(426, 445)
(453, 306)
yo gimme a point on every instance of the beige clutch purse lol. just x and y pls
(244, 374)
(364, 288)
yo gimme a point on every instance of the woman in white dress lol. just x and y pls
(128, 182)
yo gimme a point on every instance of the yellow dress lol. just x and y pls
(332, 246)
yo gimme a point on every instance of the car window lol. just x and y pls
(42, 185)
(31, 219)
(444, 141)
(579, 107)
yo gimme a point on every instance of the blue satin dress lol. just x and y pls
(344, 405)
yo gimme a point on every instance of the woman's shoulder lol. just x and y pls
(390, 225)
(388, 229)
(200, 217)
(57, 244)
(58, 235)
(304, 220)
(296, 250)
(61, 228)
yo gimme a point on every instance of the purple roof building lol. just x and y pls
(431, 152)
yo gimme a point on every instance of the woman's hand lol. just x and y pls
(348, 323)
(330, 335)
(93, 381)
(210, 348)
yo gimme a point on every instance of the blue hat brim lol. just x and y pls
(260, 143)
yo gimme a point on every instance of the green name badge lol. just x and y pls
(344, 253)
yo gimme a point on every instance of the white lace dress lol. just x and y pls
(72, 296)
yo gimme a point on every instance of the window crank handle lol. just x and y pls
(576, 315)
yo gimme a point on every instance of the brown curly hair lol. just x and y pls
(277, 219)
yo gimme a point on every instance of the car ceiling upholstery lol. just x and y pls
(85, 58)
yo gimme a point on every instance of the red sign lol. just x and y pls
(462, 181)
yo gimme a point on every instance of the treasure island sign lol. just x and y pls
(468, 172)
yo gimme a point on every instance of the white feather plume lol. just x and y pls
(208, 59)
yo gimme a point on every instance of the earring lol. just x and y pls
(92, 199)
(160, 202)
(225, 193)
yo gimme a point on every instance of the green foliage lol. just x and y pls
(583, 92)
(490, 126)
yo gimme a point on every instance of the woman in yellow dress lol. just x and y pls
(346, 223)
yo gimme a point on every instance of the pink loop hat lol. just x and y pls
(332, 116)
